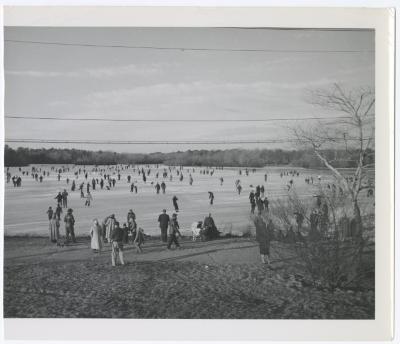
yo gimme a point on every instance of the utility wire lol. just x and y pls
(145, 142)
(172, 120)
(182, 49)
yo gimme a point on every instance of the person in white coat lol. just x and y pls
(96, 237)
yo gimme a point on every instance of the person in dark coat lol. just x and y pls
(65, 199)
(59, 198)
(299, 220)
(173, 232)
(164, 219)
(263, 239)
(260, 205)
(58, 211)
(290, 236)
(175, 203)
(117, 248)
(211, 197)
(69, 226)
(125, 230)
(50, 213)
(210, 230)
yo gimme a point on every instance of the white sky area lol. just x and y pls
(93, 82)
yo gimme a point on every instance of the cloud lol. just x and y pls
(104, 72)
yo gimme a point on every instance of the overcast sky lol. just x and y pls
(92, 82)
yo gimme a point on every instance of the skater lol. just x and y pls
(164, 219)
(163, 187)
(88, 199)
(173, 232)
(211, 197)
(59, 199)
(175, 203)
(49, 213)
(158, 187)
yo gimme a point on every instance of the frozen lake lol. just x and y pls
(25, 207)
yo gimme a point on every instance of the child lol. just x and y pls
(139, 240)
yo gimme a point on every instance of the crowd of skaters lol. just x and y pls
(107, 177)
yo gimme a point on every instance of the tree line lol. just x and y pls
(231, 157)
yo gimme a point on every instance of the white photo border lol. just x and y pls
(381, 328)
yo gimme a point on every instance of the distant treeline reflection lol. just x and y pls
(230, 157)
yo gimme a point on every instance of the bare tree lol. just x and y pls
(351, 134)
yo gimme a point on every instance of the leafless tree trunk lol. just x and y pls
(353, 134)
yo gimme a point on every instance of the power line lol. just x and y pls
(183, 49)
(180, 142)
(97, 119)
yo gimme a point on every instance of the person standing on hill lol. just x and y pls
(164, 219)
(173, 232)
(260, 205)
(299, 220)
(139, 240)
(96, 236)
(263, 239)
(252, 205)
(58, 211)
(266, 204)
(69, 226)
(110, 224)
(65, 199)
(210, 230)
(55, 230)
(117, 245)
(175, 203)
